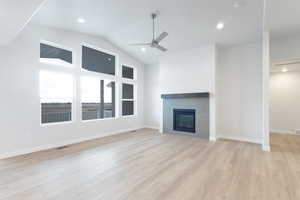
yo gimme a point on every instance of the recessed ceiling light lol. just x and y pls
(220, 26)
(238, 3)
(81, 20)
(143, 49)
(284, 70)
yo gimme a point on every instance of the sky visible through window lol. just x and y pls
(56, 87)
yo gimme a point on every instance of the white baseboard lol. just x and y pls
(151, 127)
(266, 148)
(242, 139)
(212, 139)
(65, 143)
(282, 131)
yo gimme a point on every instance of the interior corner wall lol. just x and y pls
(152, 111)
(21, 131)
(239, 93)
(284, 87)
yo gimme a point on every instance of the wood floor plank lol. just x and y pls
(149, 166)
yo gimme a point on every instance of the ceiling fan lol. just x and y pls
(155, 41)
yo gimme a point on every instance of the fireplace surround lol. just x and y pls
(186, 113)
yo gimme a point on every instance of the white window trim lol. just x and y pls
(134, 72)
(134, 98)
(73, 106)
(61, 47)
(116, 100)
(104, 51)
(101, 76)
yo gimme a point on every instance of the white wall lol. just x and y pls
(239, 93)
(285, 48)
(152, 110)
(284, 102)
(285, 87)
(188, 71)
(19, 86)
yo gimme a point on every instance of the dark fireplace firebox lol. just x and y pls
(184, 120)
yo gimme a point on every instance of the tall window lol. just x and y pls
(98, 98)
(98, 92)
(127, 99)
(56, 95)
(128, 90)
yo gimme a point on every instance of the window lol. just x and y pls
(127, 72)
(98, 61)
(51, 54)
(127, 99)
(98, 98)
(127, 107)
(56, 94)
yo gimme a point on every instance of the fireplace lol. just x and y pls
(186, 113)
(184, 120)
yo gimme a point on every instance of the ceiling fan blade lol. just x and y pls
(161, 48)
(161, 37)
(140, 44)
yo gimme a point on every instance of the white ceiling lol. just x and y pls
(190, 23)
(14, 16)
(283, 17)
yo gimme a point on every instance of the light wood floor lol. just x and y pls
(148, 166)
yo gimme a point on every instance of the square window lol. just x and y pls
(98, 61)
(127, 108)
(127, 91)
(127, 72)
(98, 98)
(56, 96)
(55, 55)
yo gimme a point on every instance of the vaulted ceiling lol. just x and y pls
(190, 23)
(14, 16)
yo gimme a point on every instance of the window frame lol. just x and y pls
(135, 89)
(101, 76)
(73, 110)
(101, 50)
(81, 98)
(134, 100)
(134, 72)
(56, 45)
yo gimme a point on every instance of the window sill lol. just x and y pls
(96, 120)
(129, 116)
(56, 123)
